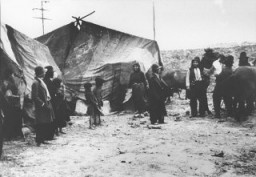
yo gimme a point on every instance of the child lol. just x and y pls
(93, 105)
(97, 92)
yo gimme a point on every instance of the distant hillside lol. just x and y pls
(180, 59)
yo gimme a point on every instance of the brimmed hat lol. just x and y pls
(155, 67)
(39, 71)
(49, 68)
(208, 50)
(99, 80)
(243, 55)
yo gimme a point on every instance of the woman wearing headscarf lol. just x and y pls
(194, 84)
(138, 84)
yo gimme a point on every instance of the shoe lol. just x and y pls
(92, 128)
(52, 139)
(38, 144)
(154, 123)
(45, 142)
(62, 132)
(162, 123)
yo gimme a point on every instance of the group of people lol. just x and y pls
(197, 81)
(149, 94)
(51, 111)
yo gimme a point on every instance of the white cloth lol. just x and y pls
(217, 67)
(197, 74)
(47, 91)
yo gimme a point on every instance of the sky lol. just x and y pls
(180, 24)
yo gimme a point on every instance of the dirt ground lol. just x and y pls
(125, 146)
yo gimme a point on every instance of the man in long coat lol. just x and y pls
(43, 107)
(157, 96)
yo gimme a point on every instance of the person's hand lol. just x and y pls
(188, 87)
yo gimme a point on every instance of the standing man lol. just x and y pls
(43, 107)
(48, 80)
(217, 93)
(194, 84)
(157, 96)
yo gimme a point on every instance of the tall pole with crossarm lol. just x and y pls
(42, 13)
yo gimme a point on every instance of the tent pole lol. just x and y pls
(154, 28)
(0, 21)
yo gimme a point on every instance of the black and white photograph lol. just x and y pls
(127, 88)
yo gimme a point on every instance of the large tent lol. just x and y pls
(94, 51)
(19, 55)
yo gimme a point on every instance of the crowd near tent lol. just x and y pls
(19, 55)
(96, 51)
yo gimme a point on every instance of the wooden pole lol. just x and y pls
(154, 19)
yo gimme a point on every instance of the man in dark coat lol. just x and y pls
(43, 107)
(157, 96)
(48, 80)
(194, 84)
(217, 96)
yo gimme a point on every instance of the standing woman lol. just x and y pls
(59, 106)
(194, 84)
(138, 84)
(43, 108)
(157, 96)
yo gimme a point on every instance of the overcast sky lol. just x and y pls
(179, 23)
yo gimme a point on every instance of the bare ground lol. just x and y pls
(125, 146)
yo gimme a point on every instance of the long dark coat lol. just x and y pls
(157, 89)
(138, 84)
(60, 109)
(43, 109)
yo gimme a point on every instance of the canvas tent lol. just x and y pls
(95, 51)
(20, 54)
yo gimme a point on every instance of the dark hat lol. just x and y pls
(57, 82)
(49, 68)
(39, 71)
(87, 85)
(99, 80)
(208, 50)
(229, 60)
(155, 67)
(243, 55)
